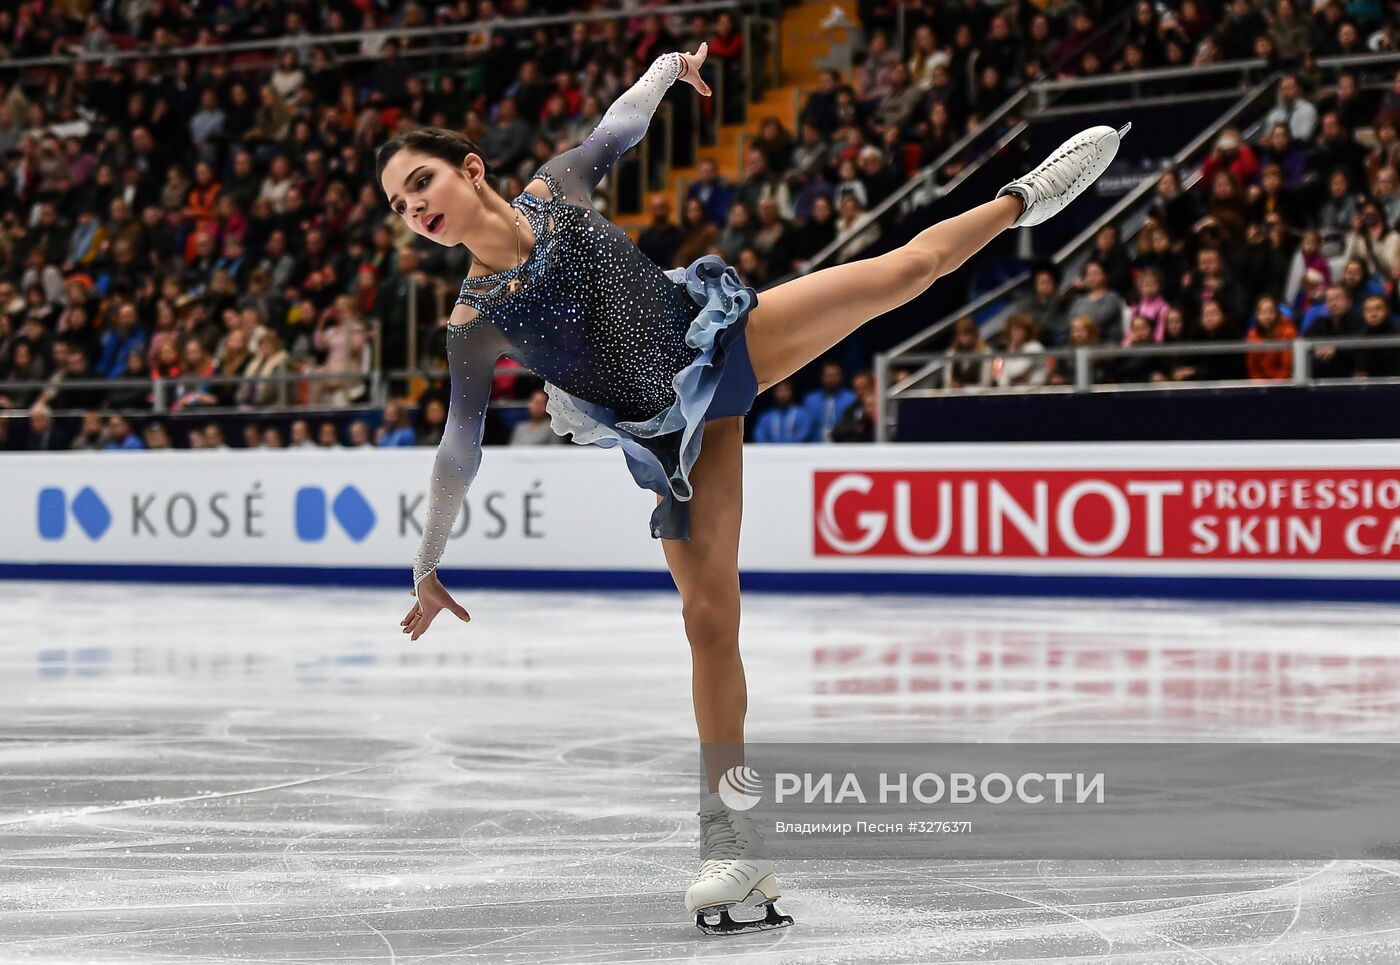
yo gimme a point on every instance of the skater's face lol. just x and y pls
(435, 199)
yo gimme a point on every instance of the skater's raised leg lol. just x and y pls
(797, 322)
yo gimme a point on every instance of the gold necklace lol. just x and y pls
(515, 284)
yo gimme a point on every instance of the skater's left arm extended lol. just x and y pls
(579, 171)
(473, 350)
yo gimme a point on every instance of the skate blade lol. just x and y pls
(1124, 130)
(724, 924)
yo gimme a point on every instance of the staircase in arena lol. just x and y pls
(806, 44)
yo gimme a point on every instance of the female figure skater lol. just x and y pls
(656, 362)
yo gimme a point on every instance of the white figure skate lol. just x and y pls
(1064, 175)
(734, 866)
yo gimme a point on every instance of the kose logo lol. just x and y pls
(89, 511)
(740, 787)
(350, 508)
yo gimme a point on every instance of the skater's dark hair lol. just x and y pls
(438, 142)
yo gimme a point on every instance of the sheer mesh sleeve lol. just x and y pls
(472, 353)
(578, 171)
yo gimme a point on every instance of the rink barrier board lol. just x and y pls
(934, 584)
(1038, 519)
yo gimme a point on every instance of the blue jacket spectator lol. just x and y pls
(713, 191)
(123, 338)
(395, 430)
(121, 436)
(826, 405)
(786, 421)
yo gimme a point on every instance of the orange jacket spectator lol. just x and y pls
(1272, 365)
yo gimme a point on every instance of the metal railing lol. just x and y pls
(1078, 375)
(435, 32)
(376, 392)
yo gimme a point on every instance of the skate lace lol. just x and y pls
(719, 840)
(1049, 179)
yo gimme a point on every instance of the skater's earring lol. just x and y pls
(478, 186)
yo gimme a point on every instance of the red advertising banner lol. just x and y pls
(1168, 514)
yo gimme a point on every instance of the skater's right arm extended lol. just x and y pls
(472, 352)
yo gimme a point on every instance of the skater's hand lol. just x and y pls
(690, 69)
(433, 598)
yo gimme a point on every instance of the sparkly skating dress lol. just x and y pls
(633, 356)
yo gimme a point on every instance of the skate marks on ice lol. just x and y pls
(188, 777)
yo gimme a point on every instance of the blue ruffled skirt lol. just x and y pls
(720, 382)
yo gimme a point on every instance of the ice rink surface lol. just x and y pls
(236, 774)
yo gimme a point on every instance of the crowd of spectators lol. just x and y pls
(212, 215)
(1295, 233)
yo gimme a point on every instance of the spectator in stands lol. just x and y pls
(700, 236)
(124, 337)
(299, 435)
(818, 231)
(1216, 326)
(90, 435)
(1227, 212)
(272, 438)
(1083, 333)
(1273, 196)
(1377, 323)
(120, 436)
(43, 436)
(857, 423)
(1130, 369)
(1233, 156)
(394, 429)
(1373, 242)
(738, 233)
(785, 421)
(233, 362)
(1335, 318)
(1099, 302)
(1339, 209)
(1359, 283)
(262, 376)
(1015, 368)
(1174, 209)
(346, 345)
(662, 238)
(1293, 109)
(434, 416)
(1270, 325)
(62, 395)
(761, 182)
(156, 436)
(1149, 304)
(774, 239)
(359, 435)
(535, 429)
(1336, 149)
(327, 435)
(1279, 147)
(961, 372)
(825, 405)
(713, 191)
(1211, 281)
(876, 176)
(1045, 307)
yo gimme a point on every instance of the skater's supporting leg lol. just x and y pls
(706, 572)
(796, 322)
